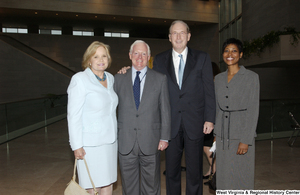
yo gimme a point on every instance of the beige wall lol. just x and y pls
(25, 78)
(192, 10)
(68, 50)
(262, 17)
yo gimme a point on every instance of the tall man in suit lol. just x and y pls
(144, 123)
(192, 99)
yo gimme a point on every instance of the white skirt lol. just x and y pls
(102, 164)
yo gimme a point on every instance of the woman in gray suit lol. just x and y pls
(92, 120)
(237, 98)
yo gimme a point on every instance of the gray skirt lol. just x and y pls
(234, 172)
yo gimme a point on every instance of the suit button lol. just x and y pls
(226, 106)
(137, 115)
(226, 116)
(135, 129)
(226, 96)
(179, 111)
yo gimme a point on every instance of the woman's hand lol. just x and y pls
(123, 70)
(242, 149)
(79, 153)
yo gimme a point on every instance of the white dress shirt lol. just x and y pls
(142, 79)
(176, 60)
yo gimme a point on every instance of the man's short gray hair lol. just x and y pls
(182, 22)
(140, 41)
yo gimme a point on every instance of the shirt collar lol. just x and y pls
(242, 70)
(184, 53)
(143, 72)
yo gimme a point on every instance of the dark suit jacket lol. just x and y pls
(152, 121)
(195, 102)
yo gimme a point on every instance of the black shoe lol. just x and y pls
(164, 172)
(205, 177)
(206, 183)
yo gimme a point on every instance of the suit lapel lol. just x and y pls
(129, 88)
(170, 67)
(147, 87)
(189, 65)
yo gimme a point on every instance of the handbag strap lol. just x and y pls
(87, 168)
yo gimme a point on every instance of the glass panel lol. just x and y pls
(45, 31)
(239, 6)
(56, 32)
(85, 33)
(116, 34)
(227, 11)
(230, 24)
(19, 118)
(11, 30)
(239, 29)
(125, 35)
(2, 121)
(22, 30)
(232, 10)
(77, 33)
(274, 120)
(107, 34)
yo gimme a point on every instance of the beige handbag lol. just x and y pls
(73, 188)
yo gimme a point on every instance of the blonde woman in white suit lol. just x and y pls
(92, 120)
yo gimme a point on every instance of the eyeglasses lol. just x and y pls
(178, 33)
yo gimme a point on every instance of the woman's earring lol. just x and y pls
(90, 64)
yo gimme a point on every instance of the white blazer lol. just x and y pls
(91, 110)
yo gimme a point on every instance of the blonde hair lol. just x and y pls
(90, 52)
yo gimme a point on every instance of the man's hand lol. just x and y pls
(242, 149)
(162, 145)
(208, 127)
(123, 70)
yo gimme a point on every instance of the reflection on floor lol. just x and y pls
(42, 163)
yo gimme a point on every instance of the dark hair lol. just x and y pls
(215, 68)
(234, 41)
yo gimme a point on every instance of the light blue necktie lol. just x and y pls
(180, 70)
(136, 90)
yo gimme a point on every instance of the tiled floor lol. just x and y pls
(42, 163)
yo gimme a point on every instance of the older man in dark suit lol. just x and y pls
(144, 123)
(192, 98)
